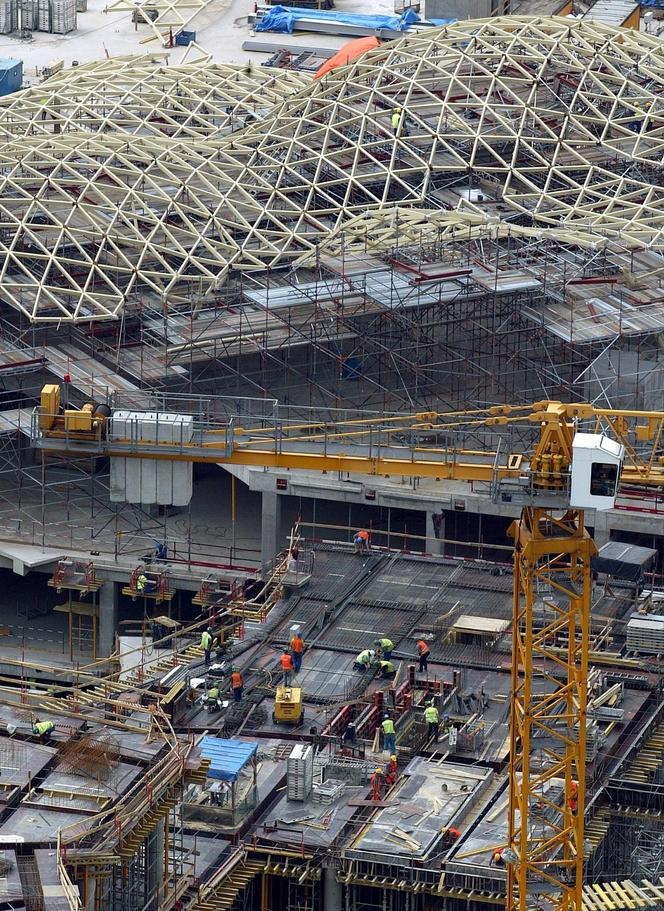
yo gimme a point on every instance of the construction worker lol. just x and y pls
(206, 643)
(362, 541)
(213, 699)
(143, 585)
(431, 718)
(364, 659)
(43, 730)
(377, 785)
(573, 796)
(391, 777)
(497, 859)
(350, 734)
(237, 684)
(297, 648)
(384, 648)
(286, 667)
(389, 735)
(423, 652)
(161, 550)
(386, 669)
(396, 120)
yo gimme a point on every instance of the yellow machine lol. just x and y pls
(77, 423)
(556, 460)
(288, 707)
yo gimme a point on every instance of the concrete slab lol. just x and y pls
(281, 825)
(28, 826)
(108, 781)
(430, 798)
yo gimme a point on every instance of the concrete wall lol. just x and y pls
(457, 9)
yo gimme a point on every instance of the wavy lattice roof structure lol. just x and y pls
(144, 96)
(550, 122)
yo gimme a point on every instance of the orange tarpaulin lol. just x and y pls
(347, 53)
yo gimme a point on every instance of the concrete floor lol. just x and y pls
(220, 29)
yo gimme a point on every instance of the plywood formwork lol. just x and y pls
(549, 122)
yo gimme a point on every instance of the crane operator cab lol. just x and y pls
(596, 465)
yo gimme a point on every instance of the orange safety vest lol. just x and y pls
(286, 662)
(236, 680)
(363, 534)
(297, 644)
(422, 647)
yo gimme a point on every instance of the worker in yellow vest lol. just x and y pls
(389, 735)
(432, 719)
(206, 643)
(43, 730)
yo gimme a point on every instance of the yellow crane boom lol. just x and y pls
(561, 458)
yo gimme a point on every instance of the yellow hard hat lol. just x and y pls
(394, 758)
(379, 771)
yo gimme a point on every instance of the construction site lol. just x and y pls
(331, 460)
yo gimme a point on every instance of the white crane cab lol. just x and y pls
(596, 464)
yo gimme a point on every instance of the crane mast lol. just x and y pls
(562, 473)
(552, 559)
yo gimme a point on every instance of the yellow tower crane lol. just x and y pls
(556, 460)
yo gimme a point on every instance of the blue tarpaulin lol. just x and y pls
(284, 19)
(227, 757)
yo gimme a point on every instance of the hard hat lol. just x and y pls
(386, 715)
(209, 629)
(379, 771)
(393, 758)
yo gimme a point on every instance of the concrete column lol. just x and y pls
(270, 525)
(154, 866)
(108, 618)
(435, 532)
(331, 890)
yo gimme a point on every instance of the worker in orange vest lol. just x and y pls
(496, 859)
(573, 796)
(286, 667)
(362, 542)
(297, 648)
(377, 784)
(237, 684)
(423, 651)
(391, 777)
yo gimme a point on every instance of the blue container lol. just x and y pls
(11, 75)
(184, 38)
